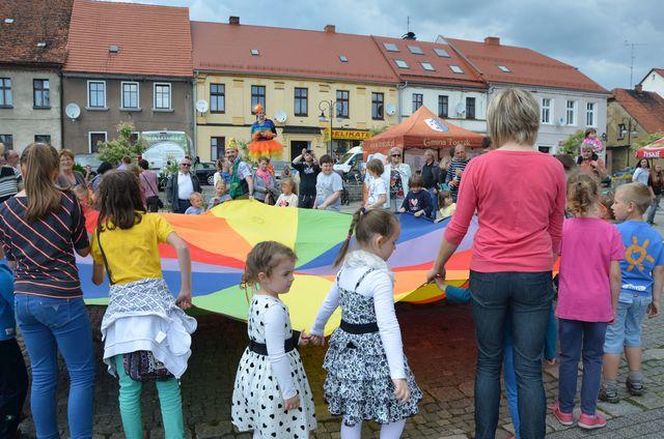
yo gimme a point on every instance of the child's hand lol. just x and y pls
(401, 392)
(305, 338)
(653, 309)
(292, 403)
(184, 299)
(402, 210)
(419, 213)
(317, 340)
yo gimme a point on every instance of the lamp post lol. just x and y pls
(330, 106)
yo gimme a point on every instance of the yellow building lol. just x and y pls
(296, 75)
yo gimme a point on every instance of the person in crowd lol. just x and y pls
(272, 396)
(40, 229)
(589, 285)
(143, 319)
(399, 173)
(180, 186)
(220, 194)
(443, 165)
(371, 380)
(242, 181)
(197, 206)
(642, 172)
(84, 198)
(13, 373)
(265, 185)
(149, 186)
(431, 176)
(640, 293)
(524, 213)
(69, 178)
(418, 200)
(328, 186)
(590, 163)
(567, 161)
(656, 185)
(455, 170)
(446, 204)
(124, 163)
(103, 168)
(288, 197)
(223, 171)
(263, 135)
(308, 168)
(9, 181)
(376, 189)
(12, 159)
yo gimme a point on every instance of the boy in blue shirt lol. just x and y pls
(642, 282)
(418, 201)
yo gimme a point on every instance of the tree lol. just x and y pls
(113, 150)
(646, 140)
(571, 144)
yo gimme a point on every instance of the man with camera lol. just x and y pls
(308, 168)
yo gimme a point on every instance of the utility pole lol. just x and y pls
(632, 58)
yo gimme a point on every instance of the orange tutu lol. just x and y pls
(265, 148)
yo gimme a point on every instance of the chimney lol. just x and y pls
(638, 88)
(492, 41)
(330, 29)
(234, 19)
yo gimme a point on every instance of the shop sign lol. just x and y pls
(341, 134)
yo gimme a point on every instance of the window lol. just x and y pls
(130, 95)
(217, 98)
(622, 130)
(455, 68)
(43, 138)
(441, 52)
(570, 113)
(546, 111)
(377, 106)
(504, 69)
(590, 114)
(301, 101)
(162, 96)
(390, 47)
(417, 50)
(470, 108)
(255, 52)
(94, 139)
(427, 66)
(401, 64)
(342, 104)
(417, 101)
(343, 58)
(217, 147)
(40, 93)
(257, 96)
(6, 92)
(443, 106)
(544, 149)
(96, 94)
(7, 140)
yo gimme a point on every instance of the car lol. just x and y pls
(205, 172)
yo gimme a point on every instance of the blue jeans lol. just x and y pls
(50, 325)
(526, 299)
(577, 337)
(509, 375)
(434, 202)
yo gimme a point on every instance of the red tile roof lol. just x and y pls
(152, 40)
(646, 107)
(299, 53)
(441, 73)
(34, 22)
(526, 66)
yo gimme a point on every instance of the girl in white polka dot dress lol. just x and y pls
(272, 396)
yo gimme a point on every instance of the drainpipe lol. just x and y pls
(62, 109)
(400, 87)
(194, 99)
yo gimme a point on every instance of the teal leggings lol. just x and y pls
(130, 405)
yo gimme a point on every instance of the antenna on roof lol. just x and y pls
(407, 23)
(408, 35)
(632, 58)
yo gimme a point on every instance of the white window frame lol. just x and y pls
(402, 64)
(549, 111)
(426, 65)
(443, 53)
(170, 96)
(90, 133)
(456, 69)
(570, 121)
(138, 95)
(100, 81)
(592, 114)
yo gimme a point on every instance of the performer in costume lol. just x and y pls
(263, 133)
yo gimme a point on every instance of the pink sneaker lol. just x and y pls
(590, 422)
(562, 417)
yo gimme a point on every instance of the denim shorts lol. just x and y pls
(626, 329)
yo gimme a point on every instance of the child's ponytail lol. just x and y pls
(364, 225)
(582, 193)
(344, 247)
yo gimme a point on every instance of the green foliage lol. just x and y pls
(646, 140)
(377, 131)
(79, 168)
(571, 144)
(113, 150)
(170, 168)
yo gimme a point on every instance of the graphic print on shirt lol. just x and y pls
(396, 186)
(413, 204)
(641, 250)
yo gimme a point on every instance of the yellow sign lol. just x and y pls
(342, 134)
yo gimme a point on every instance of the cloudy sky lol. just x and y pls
(592, 35)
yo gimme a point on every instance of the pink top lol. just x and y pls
(589, 245)
(520, 201)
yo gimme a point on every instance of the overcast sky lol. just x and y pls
(588, 34)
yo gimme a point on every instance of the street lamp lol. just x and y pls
(330, 106)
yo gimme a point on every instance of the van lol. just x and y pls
(165, 146)
(349, 159)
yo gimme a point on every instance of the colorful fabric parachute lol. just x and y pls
(220, 240)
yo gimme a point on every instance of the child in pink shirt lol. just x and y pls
(590, 256)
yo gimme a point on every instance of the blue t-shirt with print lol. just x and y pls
(643, 251)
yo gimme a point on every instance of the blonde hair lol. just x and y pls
(195, 194)
(582, 193)
(636, 193)
(291, 182)
(364, 225)
(513, 115)
(42, 164)
(264, 258)
(66, 153)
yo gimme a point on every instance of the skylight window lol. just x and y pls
(441, 52)
(427, 66)
(41, 44)
(504, 69)
(401, 64)
(455, 68)
(255, 52)
(417, 50)
(9, 20)
(343, 58)
(391, 47)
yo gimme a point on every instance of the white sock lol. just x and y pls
(392, 430)
(354, 432)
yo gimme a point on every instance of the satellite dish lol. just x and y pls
(72, 111)
(202, 106)
(390, 109)
(460, 109)
(281, 116)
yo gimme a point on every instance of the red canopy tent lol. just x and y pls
(653, 151)
(423, 130)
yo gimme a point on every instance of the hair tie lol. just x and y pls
(363, 210)
(349, 236)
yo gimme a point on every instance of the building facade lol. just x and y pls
(654, 81)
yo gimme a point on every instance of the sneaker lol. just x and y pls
(590, 422)
(634, 388)
(609, 395)
(562, 417)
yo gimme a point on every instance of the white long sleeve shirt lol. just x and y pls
(276, 320)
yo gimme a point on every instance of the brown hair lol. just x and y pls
(606, 200)
(442, 194)
(264, 258)
(364, 225)
(582, 193)
(290, 182)
(637, 193)
(567, 161)
(119, 201)
(375, 166)
(415, 181)
(66, 153)
(326, 158)
(42, 164)
(263, 159)
(513, 116)
(589, 131)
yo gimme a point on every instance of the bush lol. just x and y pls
(113, 150)
(571, 144)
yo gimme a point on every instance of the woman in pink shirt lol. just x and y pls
(519, 196)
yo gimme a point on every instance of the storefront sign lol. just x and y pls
(341, 134)
(445, 142)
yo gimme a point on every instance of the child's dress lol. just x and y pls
(257, 396)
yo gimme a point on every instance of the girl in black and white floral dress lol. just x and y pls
(368, 377)
(272, 396)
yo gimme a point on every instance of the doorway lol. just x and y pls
(296, 147)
